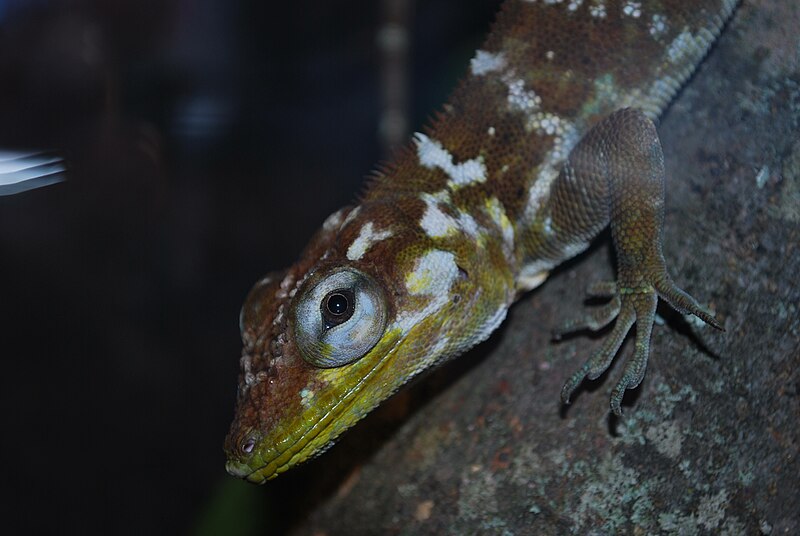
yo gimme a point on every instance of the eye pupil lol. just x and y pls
(337, 304)
(337, 307)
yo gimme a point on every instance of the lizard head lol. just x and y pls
(370, 304)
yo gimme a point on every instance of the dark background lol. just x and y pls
(205, 142)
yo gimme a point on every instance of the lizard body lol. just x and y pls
(545, 142)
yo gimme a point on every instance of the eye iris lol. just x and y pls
(338, 304)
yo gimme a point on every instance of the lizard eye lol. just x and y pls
(248, 445)
(339, 318)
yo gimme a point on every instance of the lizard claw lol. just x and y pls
(682, 302)
(629, 306)
(599, 317)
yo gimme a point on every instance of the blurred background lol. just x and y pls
(205, 141)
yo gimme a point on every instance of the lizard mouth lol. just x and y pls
(239, 469)
(324, 426)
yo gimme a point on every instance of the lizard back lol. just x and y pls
(547, 72)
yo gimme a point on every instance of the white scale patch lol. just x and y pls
(682, 46)
(486, 62)
(334, 221)
(350, 217)
(658, 25)
(520, 99)
(598, 9)
(547, 2)
(526, 101)
(548, 226)
(539, 190)
(365, 239)
(549, 124)
(468, 224)
(432, 155)
(433, 276)
(565, 138)
(436, 223)
(632, 9)
(307, 397)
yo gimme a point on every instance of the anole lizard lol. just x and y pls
(546, 141)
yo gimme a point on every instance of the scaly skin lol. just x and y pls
(536, 152)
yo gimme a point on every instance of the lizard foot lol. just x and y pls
(629, 305)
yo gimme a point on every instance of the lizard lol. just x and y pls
(546, 141)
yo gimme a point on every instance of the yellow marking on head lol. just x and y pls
(418, 282)
(498, 214)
